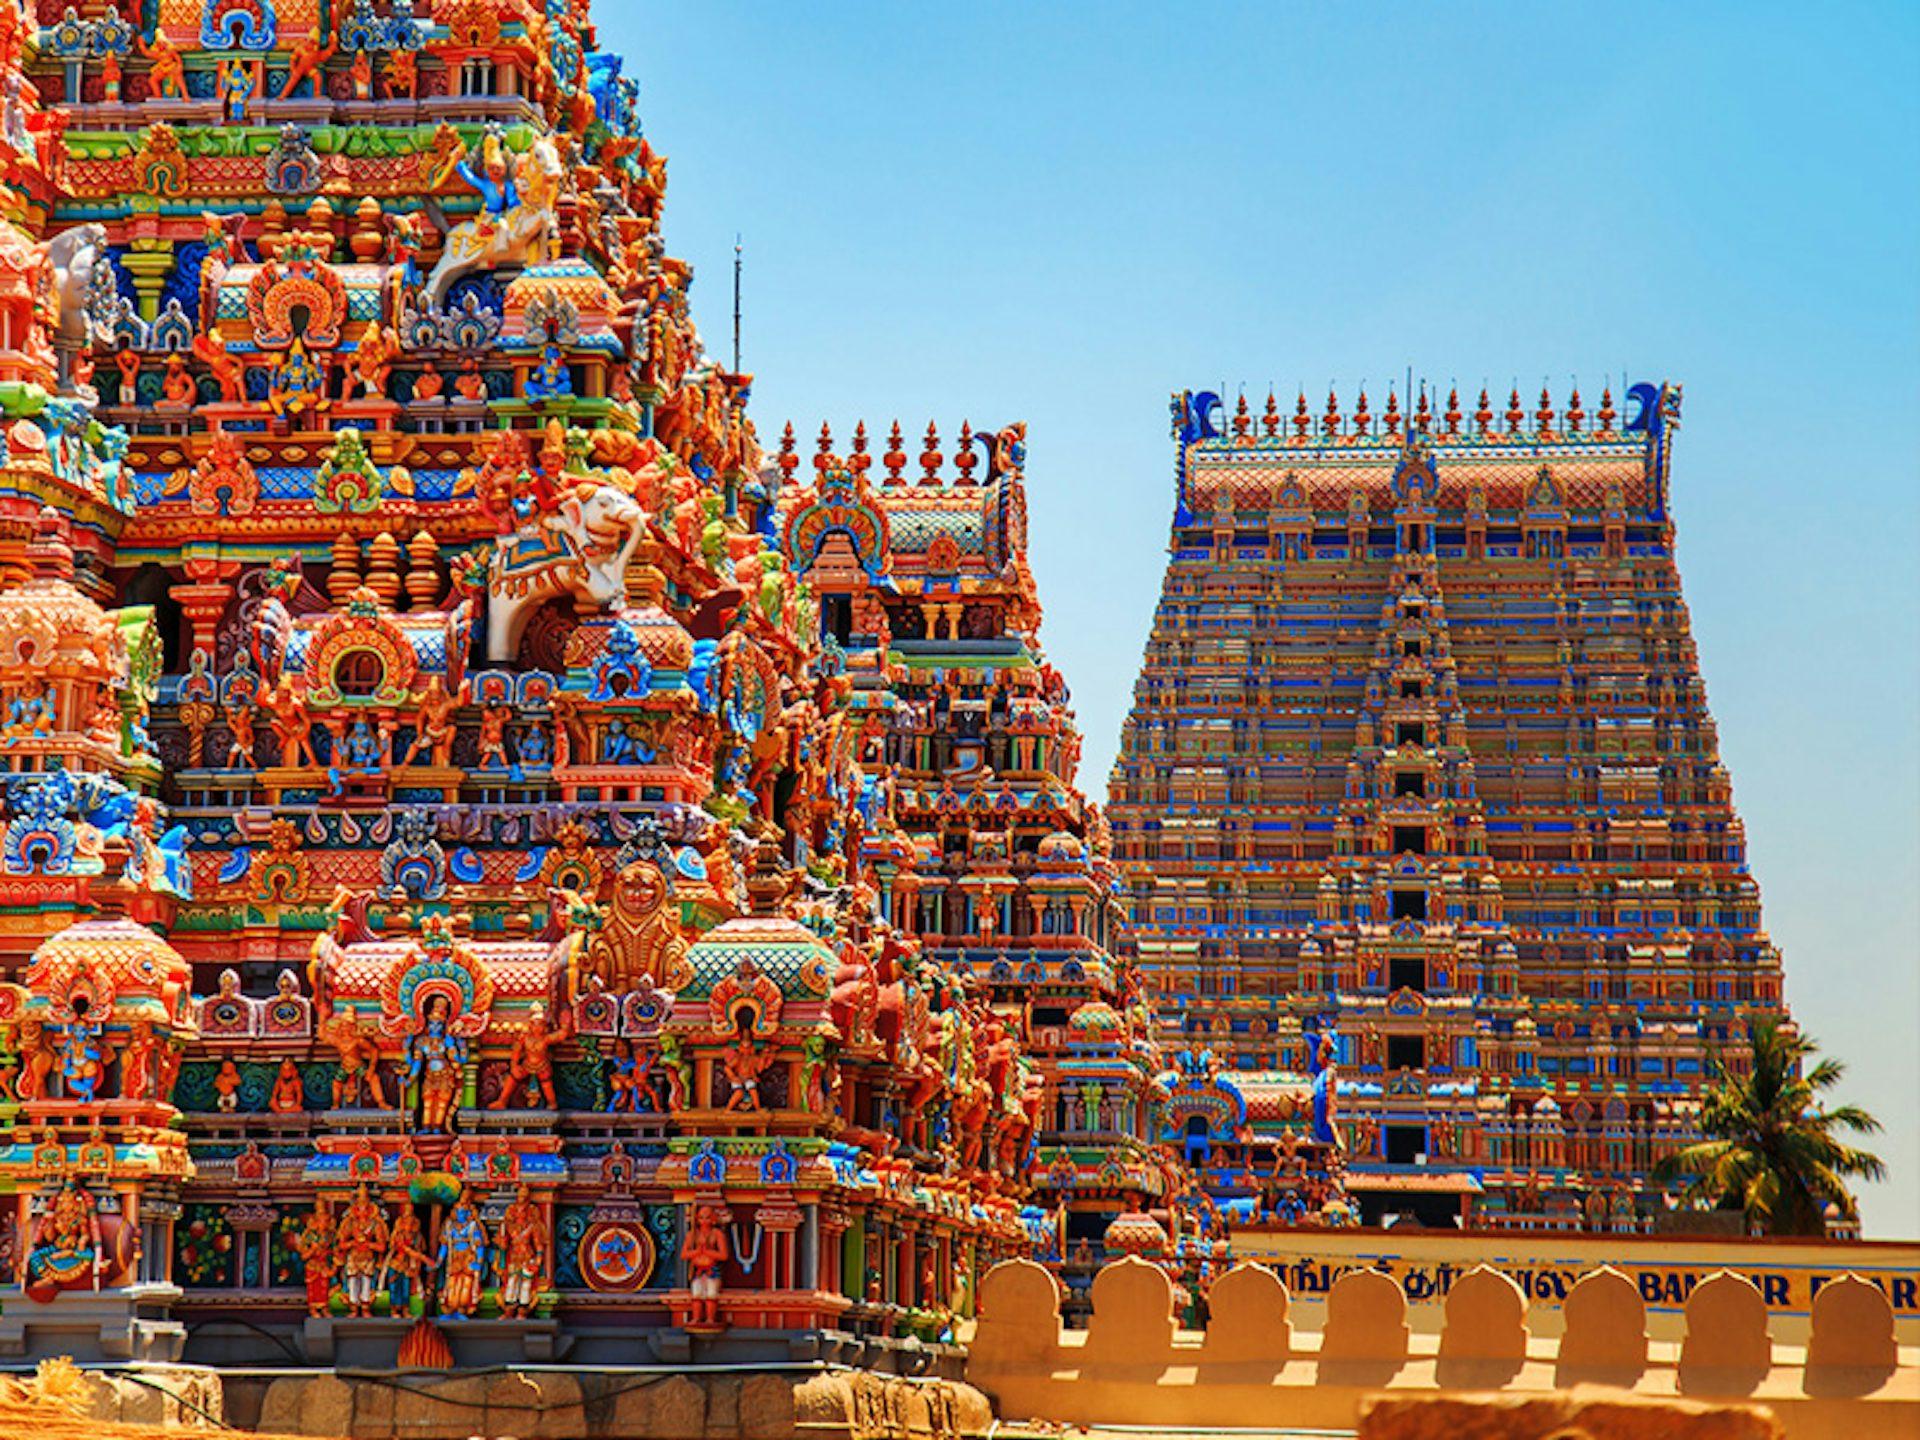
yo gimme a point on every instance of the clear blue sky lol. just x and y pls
(1059, 213)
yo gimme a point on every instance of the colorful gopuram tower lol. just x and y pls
(983, 849)
(1419, 776)
(448, 911)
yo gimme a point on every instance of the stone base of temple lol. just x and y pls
(612, 1404)
(735, 1345)
(132, 1324)
(374, 1344)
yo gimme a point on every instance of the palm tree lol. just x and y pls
(1775, 1152)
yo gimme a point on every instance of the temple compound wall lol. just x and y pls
(1257, 1364)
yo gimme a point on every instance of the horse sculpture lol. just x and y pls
(517, 225)
(582, 550)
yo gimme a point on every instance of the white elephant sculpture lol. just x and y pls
(83, 283)
(522, 234)
(581, 550)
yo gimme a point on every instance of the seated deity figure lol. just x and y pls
(65, 1251)
(360, 752)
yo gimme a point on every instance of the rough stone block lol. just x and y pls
(679, 1409)
(143, 1404)
(1630, 1418)
(440, 1410)
(326, 1407)
(1462, 1417)
(766, 1407)
(723, 1407)
(562, 1414)
(824, 1406)
(280, 1410)
(373, 1410)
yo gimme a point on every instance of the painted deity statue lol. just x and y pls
(168, 77)
(139, 1064)
(37, 1059)
(745, 1061)
(490, 173)
(436, 1059)
(298, 383)
(436, 729)
(65, 1252)
(530, 1068)
(83, 1060)
(706, 1251)
(463, 1261)
(361, 1250)
(289, 1095)
(1326, 1080)
(404, 1261)
(523, 1261)
(357, 1074)
(315, 1246)
(361, 752)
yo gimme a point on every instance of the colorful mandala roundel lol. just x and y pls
(617, 1255)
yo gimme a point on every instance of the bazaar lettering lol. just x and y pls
(1551, 1285)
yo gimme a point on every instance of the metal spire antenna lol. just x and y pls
(736, 302)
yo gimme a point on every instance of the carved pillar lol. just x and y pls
(204, 598)
(149, 261)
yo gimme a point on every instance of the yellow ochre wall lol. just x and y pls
(1545, 1266)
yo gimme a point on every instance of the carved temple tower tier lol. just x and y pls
(1419, 770)
(437, 926)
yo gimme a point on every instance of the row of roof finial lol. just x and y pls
(1545, 419)
(895, 459)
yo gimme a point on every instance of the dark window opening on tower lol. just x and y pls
(1410, 732)
(1410, 782)
(1416, 537)
(1410, 648)
(1415, 611)
(1405, 1142)
(1409, 905)
(1406, 974)
(1409, 840)
(836, 617)
(1406, 1052)
(1410, 689)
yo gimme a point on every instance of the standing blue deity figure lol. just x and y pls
(436, 1061)
(1323, 1064)
(463, 1261)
